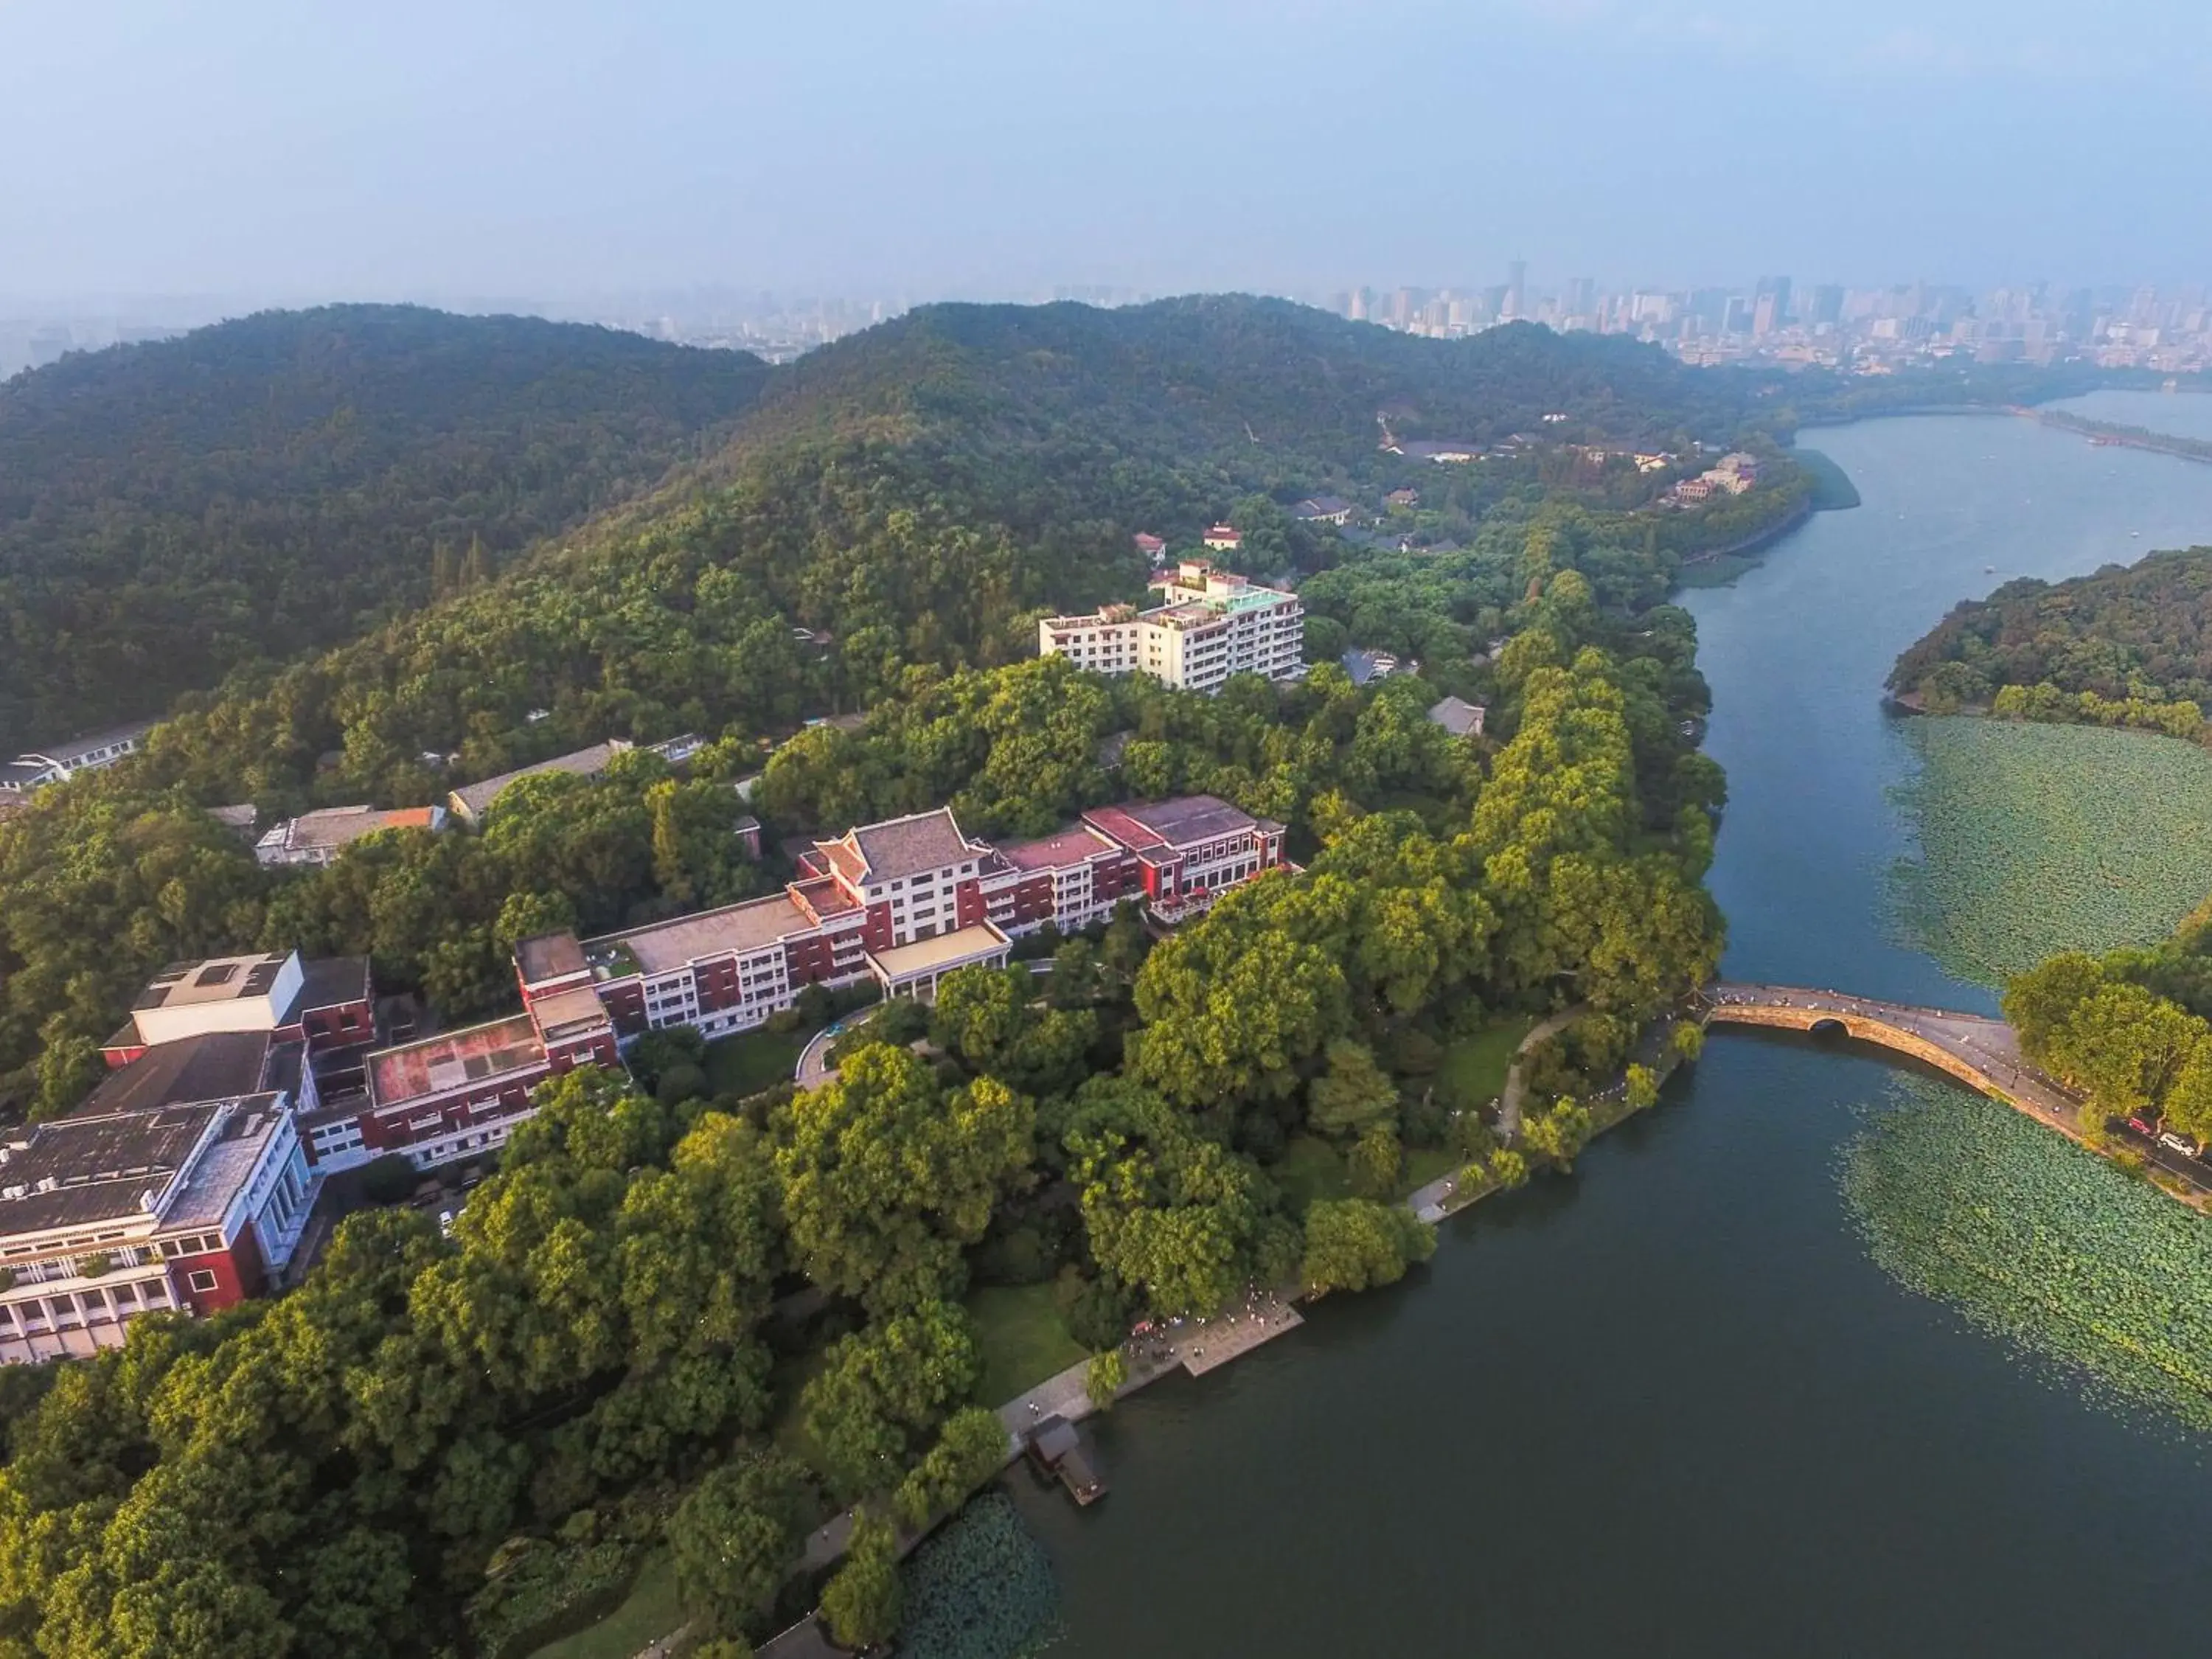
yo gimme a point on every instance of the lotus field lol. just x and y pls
(981, 1588)
(2029, 1237)
(2035, 839)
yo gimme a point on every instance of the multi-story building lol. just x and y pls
(907, 902)
(471, 802)
(1212, 625)
(320, 1005)
(315, 838)
(459, 1094)
(104, 1216)
(92, 753)
(1190, 851)
(1070, 879)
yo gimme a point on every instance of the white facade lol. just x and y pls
(1214, 624)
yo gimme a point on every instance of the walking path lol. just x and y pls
(1516, 1087)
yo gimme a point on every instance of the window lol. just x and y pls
(200, 1278)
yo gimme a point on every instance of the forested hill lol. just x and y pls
(266, 486)
(1223, 375)
(919, 493)
(2128, 645)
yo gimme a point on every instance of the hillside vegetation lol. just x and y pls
(919, 494)
(2130, 645)
(255, 489)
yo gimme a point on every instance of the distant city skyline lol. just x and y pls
(1777, 319)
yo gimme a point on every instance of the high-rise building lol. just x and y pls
(1516, 289)
(1214, 624)
(1827, 304)
(1770, 305)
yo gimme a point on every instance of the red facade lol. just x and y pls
(237, 1272)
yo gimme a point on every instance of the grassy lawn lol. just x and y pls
(650, 1613)
(1425, 1165)
(790, 1377)
(1309, 1169)
(753, 1061)
(1474, 1068)
(1022, 1338)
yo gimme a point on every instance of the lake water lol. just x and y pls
(2183, 414)
(1670, 1405)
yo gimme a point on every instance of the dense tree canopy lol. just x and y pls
(171, 511)
(2129, 646)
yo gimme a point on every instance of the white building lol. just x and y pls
(93, 753)
(316, 838)
(1214, 624)
(189, 1208)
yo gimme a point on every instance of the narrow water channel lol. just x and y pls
(1670, 1407)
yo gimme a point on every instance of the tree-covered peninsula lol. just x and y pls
(2129, 646)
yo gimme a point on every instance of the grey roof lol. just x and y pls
(1364, 665)
(1456, 716)
(82, 1170)
(666, 946)
(471, 800)
(219, 979)
(67, 753)
(242, 817)
(330, 983)
(549, 957)
(1323, 505)
(334, 827)
(1185, 821)
(213, 1066)
(907, 846)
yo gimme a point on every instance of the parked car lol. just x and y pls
(2179, 1143)
(2143, 1123)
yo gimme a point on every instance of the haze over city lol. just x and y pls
(475, 154)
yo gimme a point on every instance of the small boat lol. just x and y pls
(2135, 532)
(1989, 570)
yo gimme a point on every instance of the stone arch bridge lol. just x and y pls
(1981, 1053)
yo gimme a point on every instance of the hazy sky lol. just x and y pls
(295, 149)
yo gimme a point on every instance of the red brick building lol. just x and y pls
(909, 901)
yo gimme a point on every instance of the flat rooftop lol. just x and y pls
(549, 957)
(331, 982)
(480, 1053)
(952, 950)
(1074, 845)
(227, 1164)
(667, 946)
(218, 979)
(569, 1013)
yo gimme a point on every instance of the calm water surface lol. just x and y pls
(1669, 1407)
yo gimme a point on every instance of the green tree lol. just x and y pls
(885, 1179)
(862, 1603)
(1560, 1134)
(882, 1390)
(1103, 1377)
(1353, 1243)
(971, 1448)
(1352, 1096)
(735, 1538)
